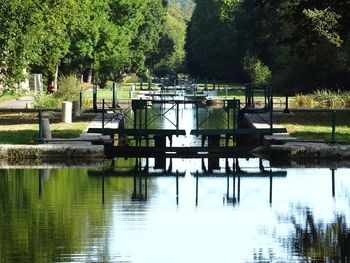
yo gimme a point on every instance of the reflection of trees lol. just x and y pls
(321, 242)
(41, 227)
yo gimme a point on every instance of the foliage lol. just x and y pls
(170, 57)
(323, 99)
(305, 44)
(47, 101)
(257, 71)
(100, 38)
(68, 88)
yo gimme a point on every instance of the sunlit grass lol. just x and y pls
(317, 126)
(23, 128)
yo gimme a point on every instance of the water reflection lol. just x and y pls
(317, 241)
(133, 211)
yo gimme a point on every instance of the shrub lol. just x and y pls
(68, 88)
(324, 99)
(47, 101)
(258, 72)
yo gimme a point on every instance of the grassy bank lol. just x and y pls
(317, 126)
(23, 128)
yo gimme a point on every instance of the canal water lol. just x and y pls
(176, 210)
(123, 214)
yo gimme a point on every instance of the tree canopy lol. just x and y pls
(303, 44)
(106, 37)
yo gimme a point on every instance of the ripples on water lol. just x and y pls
(76, 215)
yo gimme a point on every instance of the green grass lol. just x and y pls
(317, 126)
(9, 96)
(23, 128)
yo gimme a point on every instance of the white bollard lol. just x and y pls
(67, 112)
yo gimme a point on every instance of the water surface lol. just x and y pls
(126, 215)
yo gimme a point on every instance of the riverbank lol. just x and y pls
(73, 153)
(287, 149)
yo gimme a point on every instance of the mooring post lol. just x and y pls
(94, 96)
(113, 95)
(103, 116)
(333, 126)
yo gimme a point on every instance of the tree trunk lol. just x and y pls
(56, 78)
(90, 74)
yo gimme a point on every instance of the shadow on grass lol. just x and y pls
(342, 138)
(30, 136)
(19, 137)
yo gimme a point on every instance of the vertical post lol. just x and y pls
(113, 95)
(146, 187)
(103, 186)
(177, 187)
(286, 110)
(270, 200)
(40, 182)
(228, 186)
(239, 188)
(40, 125)
(197, 117)
(228, 114)
(80, 99)
(333, 126)
(103, 116)
(141, 84)
(197, 188)
(271, 111)
(333, 182)
(177, 118)
(94, 96)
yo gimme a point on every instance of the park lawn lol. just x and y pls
(317, 126)
(23, 128)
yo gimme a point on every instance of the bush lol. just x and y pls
(47, 101)
(324, 99)
(68, 88)
(257, 71)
